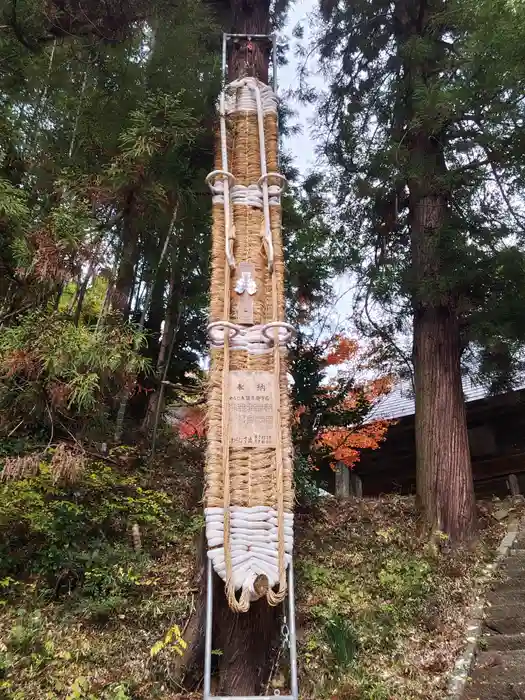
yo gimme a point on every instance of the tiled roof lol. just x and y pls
(400, 401)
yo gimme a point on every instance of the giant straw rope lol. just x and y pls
(248, 495)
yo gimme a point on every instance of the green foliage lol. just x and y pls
(376, 600)
(315, 252)
(27, 639)
(13, 206)
(444, 99)
(306, 487)
(80, 608)
(49, 529)
(173, 641)
(161, 122)
(100, 141)
(342, 639)
(405, 581)
(53, 367)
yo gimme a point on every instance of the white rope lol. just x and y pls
(240, 96)
(254, 537)
(268, 241)
(226, 186)
(248, 195)
(254, 339)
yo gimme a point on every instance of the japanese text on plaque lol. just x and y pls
(251, 409)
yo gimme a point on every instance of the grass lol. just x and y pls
(381, 615)
(94, 641)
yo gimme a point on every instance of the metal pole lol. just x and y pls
(293, 634)
(274, 62)
(208, 639)
(248, 36)
(224, 51)
(253, 697)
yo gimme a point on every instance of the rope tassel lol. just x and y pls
(248, 496)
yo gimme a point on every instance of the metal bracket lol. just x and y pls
(272, 38)
(208, 643)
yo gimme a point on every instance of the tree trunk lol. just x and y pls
(444, 474)
(170, 326)
(149, 293)
(246, 639)
(126, 271)
(156, 313)
(250, 58)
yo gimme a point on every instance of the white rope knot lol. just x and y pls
(282, 332)
(279, 189)
(240, 98)
(255, 339)
(254, 537)
(248, 195)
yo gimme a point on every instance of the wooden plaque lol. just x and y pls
(252, 408)
(244, 302)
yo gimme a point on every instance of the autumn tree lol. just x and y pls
(333, 393)
(427, 146)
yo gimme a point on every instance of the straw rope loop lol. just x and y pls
(285, 331)
(264, 178)
(277, 176)
(275, 598)
(230, 231)
(218, 329)
(224, 175)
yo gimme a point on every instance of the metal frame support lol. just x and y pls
(272, 38)
(208, 643)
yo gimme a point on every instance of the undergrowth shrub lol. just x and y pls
(343, 640)
(54, 371)
(78, 535)
(306, 487)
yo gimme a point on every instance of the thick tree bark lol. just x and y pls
(245, 640)
(128, 259)
(444, 473)
(250, 58)
(156, 312)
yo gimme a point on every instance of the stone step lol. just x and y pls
(503, 642)
(508, 595)
(503, 619)
(514, 565)
(497, 676)
(508, 583)
(494, 691)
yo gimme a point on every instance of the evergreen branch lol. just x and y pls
(389, 339)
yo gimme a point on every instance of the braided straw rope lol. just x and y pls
(248, 478)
